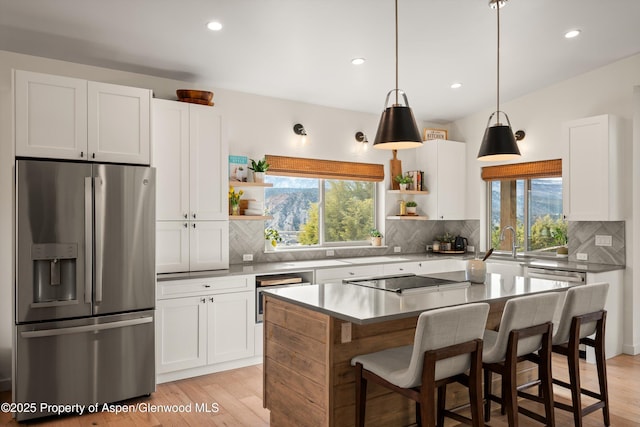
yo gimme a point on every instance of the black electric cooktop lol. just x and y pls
(403, 283)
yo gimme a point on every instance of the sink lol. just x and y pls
(373, 259)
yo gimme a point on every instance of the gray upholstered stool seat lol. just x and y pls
(583, 315)
(525, 333)
(447, 344)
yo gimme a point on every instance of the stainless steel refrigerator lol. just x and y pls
(85, 283)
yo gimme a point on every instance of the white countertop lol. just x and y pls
(363, 305)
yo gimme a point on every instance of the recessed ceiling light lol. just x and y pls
(456, 85)
(571, 34)
(358, 61)
(214, 26)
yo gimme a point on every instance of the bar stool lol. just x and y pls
(525, 328)
(447, 343)
(582, 315)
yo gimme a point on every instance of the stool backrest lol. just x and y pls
(580, 300)
(520, 313)
(444, 327)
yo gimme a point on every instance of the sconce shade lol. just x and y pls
(498, 144)
(298, 129)
(397, 129)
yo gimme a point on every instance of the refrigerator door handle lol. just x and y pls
(88, 239)
(99, 235)
(86, 328)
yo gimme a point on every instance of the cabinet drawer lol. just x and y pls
(218, 285)
(401, 268)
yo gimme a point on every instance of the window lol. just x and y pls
(320, 212)
(527, 197)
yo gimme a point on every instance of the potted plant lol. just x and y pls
(259, 168)
(403, 181)
(273, 236)
(411, 206)
(446, 241)
(234, 200)
(376, 237)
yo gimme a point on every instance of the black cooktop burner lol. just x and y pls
(402, 283)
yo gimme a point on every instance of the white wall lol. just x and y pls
(608, 90)
(254, 125)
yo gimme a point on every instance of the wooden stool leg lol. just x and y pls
(442, 393)
(544, 367)
(601, 365)
(573, 362)
(510, 391)
(475, 389)
(418, 416)
(487, 395)
(361, 396)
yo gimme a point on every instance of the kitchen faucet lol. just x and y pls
(513, 239)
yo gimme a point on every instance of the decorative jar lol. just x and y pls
(476, 271)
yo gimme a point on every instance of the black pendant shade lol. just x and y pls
(498, 144)
(397, 129)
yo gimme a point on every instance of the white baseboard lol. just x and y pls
(205, 370)
(631, 349)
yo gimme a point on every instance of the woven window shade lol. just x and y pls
(542, 169)
(326, 169)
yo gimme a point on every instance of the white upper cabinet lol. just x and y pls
(591, 170)
(118, 123)
(443, 163)
(191, 161)
(66, 118)
(50, 115)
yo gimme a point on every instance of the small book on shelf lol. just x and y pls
(238, 166)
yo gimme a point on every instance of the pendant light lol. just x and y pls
(397, 129)
(498, 143)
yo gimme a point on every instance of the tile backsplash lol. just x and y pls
(582, 237)
(246, 237)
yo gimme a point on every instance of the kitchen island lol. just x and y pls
(312, 332)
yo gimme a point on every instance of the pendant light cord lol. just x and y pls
(396, 52)
(498, 65)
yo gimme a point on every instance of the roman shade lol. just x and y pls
(528, 170)
(325, 169)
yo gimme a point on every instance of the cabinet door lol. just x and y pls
(181, 334)
(230, 326)
(172, 246)
(586, 173)
(615, 306)
(171, 158)
(443, 163)
(208, 245)
(451, 180)
(208, 166)
(50, 116)
(118, 123)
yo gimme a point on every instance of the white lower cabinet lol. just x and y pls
(329, 275)
(614, 326)
(204, 326)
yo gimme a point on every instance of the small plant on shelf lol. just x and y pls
(403, 181)
(375, 233)
(411, 207)
(259, 166)
(376, 237)
(273, 236)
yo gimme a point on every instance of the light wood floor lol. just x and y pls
(238, 394)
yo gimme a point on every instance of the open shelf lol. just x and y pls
(249, 184)
(408, 192)
(410, 217)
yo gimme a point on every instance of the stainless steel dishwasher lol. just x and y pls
(559, 275)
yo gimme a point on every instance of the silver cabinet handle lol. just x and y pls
(88, 239)
(86, 328)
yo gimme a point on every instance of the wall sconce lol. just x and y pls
(520, 134)
(298, 129)
(362, 138)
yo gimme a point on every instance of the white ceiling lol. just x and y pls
(301, 49)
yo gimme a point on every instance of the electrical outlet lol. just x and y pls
(603, 240)
(397, 249)
(582, 256)
(330, 252)
(471, 248)
(247, 257)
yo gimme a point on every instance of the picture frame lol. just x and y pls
(432, 133)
